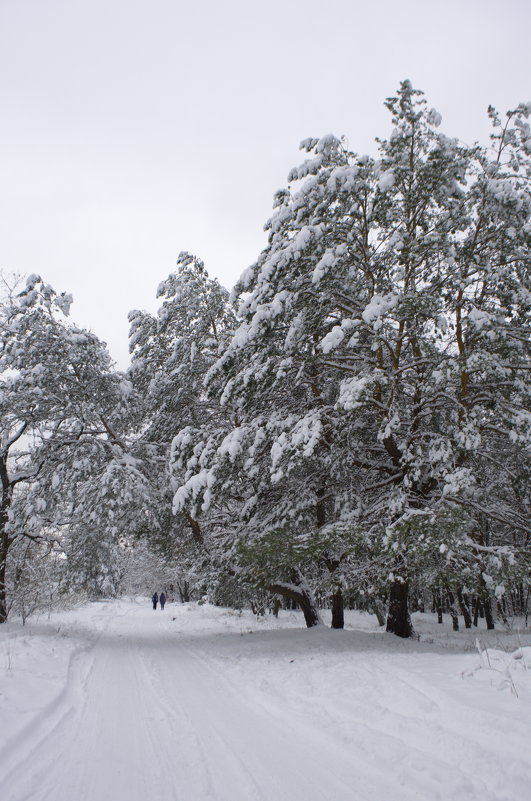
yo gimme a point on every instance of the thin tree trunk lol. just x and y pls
(524, 597)
(5, 542)
(487, 604)
(3, 599)
(465, 609)
(502, 611)
(477, 610)
(338, 615)
(378, 608)
(439, 606)
(453, 610)
(489, 617)
(184, 591)
(398, 618)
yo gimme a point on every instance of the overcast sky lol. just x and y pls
(134, 129)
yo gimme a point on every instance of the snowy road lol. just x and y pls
(154, 709)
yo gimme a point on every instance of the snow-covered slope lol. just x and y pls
(114, 701)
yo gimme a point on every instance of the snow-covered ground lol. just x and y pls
(116, 702)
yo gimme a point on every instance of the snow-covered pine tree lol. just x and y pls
(171, 353)
(62, 408)
(278, 467)
(382, 352)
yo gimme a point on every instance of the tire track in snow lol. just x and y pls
(197, 745)
(481, 770)
(256, 753)
(434, 728)
(26, 768)
(422, 732)
(123, 757)
(151, 712)
(24, 761)
(182, 743)
(418, 730)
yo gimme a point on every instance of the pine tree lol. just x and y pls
(381, 357)
(171, 354)
(61, 410)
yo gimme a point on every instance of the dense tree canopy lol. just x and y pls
(62, 457)
(354, 421)
(379, 370)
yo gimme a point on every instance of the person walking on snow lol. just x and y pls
(162, 600)
(155, 599)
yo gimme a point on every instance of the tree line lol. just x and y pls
(350, 424)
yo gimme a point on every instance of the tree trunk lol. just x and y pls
(477, 604)
(310, 611)
(439, 606)
(464, 607)
(524, 598)
(195, 527)
(453, 610)
(378, 608)
(487, 604)
(489, 617)
(398, 619)
(502, 612)
(338, 616)
(300, 593)
(3, 600)
(184, 591)
(5, 542)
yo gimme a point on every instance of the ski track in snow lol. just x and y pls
(152, 709)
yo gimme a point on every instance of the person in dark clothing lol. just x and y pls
(162, 600)
(155, 600)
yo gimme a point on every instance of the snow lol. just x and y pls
(115, 701)
(386, 180)
(434, 117)
(378, 306)
(343, 179)
(194, 485)
(335, 336)
(232, 444)
(307, 432)
(350, 392)
(478, 318)
(333, 339)
(325, 263)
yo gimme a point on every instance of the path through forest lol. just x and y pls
(157, 707)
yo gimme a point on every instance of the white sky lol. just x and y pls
(134, 129)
